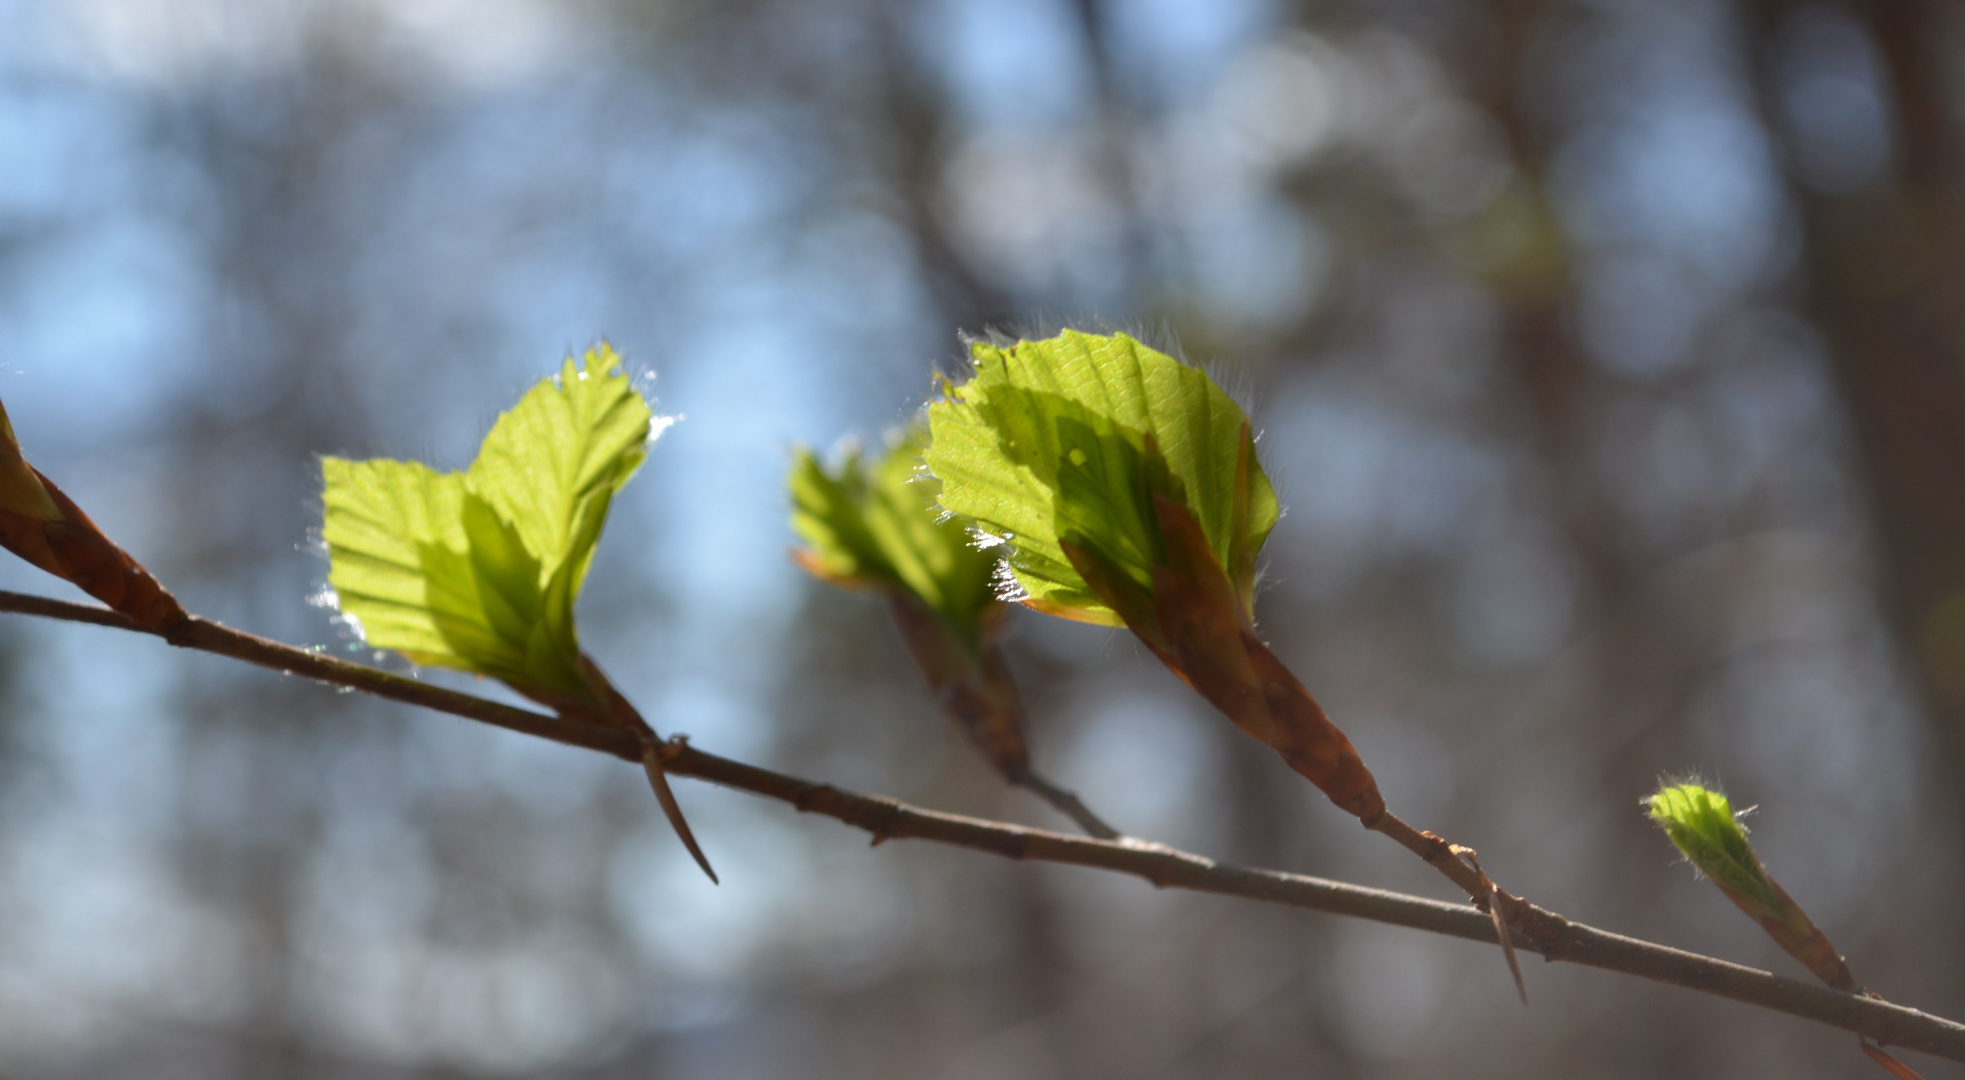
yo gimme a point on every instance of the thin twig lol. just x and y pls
(1064, 802)
(1555, 937)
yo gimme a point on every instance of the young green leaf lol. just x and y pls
(1701, 823)
(1125, 488)
(1064, 443)
(479, 570)
(877, 526)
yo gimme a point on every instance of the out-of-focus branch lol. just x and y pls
(913, 125)
(1165, 867)
(1885, 277)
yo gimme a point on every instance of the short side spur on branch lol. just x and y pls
(875, 527)
(1125, 489)
(478, 570)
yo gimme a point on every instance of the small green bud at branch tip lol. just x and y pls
(1702, 825)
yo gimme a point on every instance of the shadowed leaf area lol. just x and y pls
(876, 526)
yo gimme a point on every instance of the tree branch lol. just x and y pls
(1165, 867)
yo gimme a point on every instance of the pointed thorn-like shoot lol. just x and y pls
(1895, 1068)
(658, 779)
(1496, 901)
(1507, 944)
(607, 706)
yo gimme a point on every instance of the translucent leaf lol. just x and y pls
(552, 464)
(1064, 444)
(879, 526)
(479, 570)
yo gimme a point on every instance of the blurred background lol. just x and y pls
(1609, 358)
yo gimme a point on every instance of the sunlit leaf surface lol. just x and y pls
(1066, 441)
(479, 570)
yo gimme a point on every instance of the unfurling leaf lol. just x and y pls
(1125, 487)
(479, 570)
(43, 526)
(1066, 441)
(876, 526)
(1701, 823)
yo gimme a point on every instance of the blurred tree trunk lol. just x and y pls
(1885, 281)
(1641, 672)
(913, 129)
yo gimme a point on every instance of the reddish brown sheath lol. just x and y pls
(1196, 624)
(1799, 935)
(974, 688)
(1209, 632)
(73, 548)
